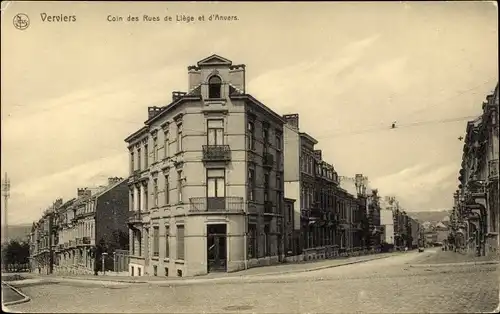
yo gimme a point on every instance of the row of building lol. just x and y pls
(218, 181)
(475, 219)
(71, 236)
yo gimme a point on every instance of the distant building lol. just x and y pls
(93, 223)
(387, 221)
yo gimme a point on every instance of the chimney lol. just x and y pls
(153, 111)
(317, 154)
(177, 95)
(114, 180)
(292, 119)
(83, 192)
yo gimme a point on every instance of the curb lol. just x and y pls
(188, 281)
(23, 300)
(321, 267)
(454, 264)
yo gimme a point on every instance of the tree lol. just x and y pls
(15, 253)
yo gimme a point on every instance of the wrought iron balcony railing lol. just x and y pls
(216, 153)
(134, 217)
(78, 241)
(268, 160)
(216, 204)
(493, 169)
(268, 207)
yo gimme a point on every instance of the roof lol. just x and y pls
(259, 104)
(214, 60)
(309, 137)
(109, 188)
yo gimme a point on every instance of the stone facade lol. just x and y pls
(475, 216)
(206, 181)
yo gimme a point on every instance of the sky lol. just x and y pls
(71, 92)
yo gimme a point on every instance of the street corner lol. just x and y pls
(89, 283)
(12, 295)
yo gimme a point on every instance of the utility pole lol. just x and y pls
(6, 195)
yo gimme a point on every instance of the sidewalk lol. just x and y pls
(212, 277)
(449, 258)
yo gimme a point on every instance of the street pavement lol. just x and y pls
(388, 285)
(10, 295)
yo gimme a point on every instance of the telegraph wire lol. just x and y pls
(451, 97)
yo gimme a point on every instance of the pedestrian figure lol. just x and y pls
(406, 249)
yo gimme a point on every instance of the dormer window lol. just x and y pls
(214, 87)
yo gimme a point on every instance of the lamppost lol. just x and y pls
(104, 254)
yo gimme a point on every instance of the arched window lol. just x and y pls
(214, 87)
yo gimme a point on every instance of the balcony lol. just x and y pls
(86, 240)
(72, 244)
(136, 174)
(134, 218)
(268, 160)
(268, 207)
(216, 153)
(78, 241)
(216, 204)
(493, 169)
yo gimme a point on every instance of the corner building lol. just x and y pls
(206, 179)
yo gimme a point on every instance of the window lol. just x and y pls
(214, 87)
(165, 144)
(179, 186)
(139, 166)
(155, 149)
(167, 190)
(216, 183)
(266, 187)
(265, 133)
(179, 137)
(146, 197)
(279, 161)
(167, 239)
(180, 242)
(267, 241)
(215, 132)
(155, 192)
(290, 212)
(131, 161)
(251, 135)
(278, 194)
(252, 241)
(251, 184)
(302, 198)
(156, 241)
(278, 141)
(146, 152)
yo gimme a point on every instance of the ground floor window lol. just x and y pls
(252, 241)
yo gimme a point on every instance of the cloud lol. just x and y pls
(420, 185)
(44, 190)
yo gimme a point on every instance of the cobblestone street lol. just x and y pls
(387, 285)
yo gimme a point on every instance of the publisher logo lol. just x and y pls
(21, 21)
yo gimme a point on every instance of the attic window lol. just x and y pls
(214, 87)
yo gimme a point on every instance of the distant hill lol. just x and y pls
(18, 232)
(430, 216)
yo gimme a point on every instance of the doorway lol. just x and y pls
(217, 248)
